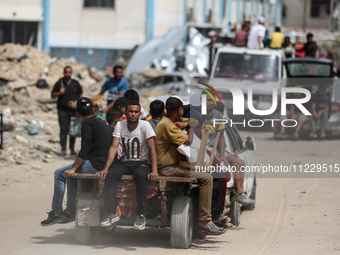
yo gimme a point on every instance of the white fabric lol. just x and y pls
(261, 19)
(255, 32)
(134, 143)
(191, 152)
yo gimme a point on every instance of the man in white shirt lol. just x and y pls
(138, 140)
(256, 35)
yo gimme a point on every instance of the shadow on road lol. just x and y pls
(128, 239)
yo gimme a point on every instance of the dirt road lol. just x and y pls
(292, 216)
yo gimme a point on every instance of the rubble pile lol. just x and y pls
(30, 120)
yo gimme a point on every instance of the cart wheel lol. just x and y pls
(84, 234)
(252, 196)
(235, 213)
(182, 216)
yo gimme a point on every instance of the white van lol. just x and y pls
(258, 70)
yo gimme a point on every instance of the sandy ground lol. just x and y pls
(292, 216)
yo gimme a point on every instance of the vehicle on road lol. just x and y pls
(169, 83)
(311, 73)
(247, 69)
(172, 201)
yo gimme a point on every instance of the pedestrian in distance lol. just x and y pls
(115, 86)
(276, 39)
(66, 89)
(257, 34)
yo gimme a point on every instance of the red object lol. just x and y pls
(335, 107)
(127, 192)
(301, 54)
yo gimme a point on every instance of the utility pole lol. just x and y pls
(304, 15)
(331, 20)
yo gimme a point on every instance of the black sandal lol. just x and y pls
(212, 229)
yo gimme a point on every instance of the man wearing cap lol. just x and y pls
(256, 35)
(213, 39)
(168, 137)
(96, 140)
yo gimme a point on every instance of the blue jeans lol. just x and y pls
(59, 188)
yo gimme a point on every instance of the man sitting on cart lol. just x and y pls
(138, 140)
(96, 139)
(168, 137)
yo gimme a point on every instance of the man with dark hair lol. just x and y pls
(96, 140)
(66, 89)
(276, 39)
(121, 103)
(113, 116)
(310, 47)
(138, 140)
(156, 112)
(240, 38)
(132, 94)
(115, 86)
(169, 136)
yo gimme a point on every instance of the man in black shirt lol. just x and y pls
(310, 47)
(96, 139)
(66, 89)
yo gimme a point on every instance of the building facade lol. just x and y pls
(96, 32)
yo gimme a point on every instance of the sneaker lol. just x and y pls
(313, 135)
(296, 135)
(67, 217)
(52, 219)
(140, 222)
(281, 136)
(109, 220)
(323, 135)
(243, 199)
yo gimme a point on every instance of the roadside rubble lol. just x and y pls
(30, 121)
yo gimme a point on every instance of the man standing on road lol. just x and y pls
(66, 90)
(115, 86)
(256, 35)
(96, 140)
(138, 140)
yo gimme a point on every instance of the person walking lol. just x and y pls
(66, 89)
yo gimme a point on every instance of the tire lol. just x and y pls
(182, 219)
(235, 213)
(84, 234)
(252, 196)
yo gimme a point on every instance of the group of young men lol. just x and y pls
(144, 149)
(318, 107)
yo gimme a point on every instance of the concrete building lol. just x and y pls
(98, 31)
(303, 15)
